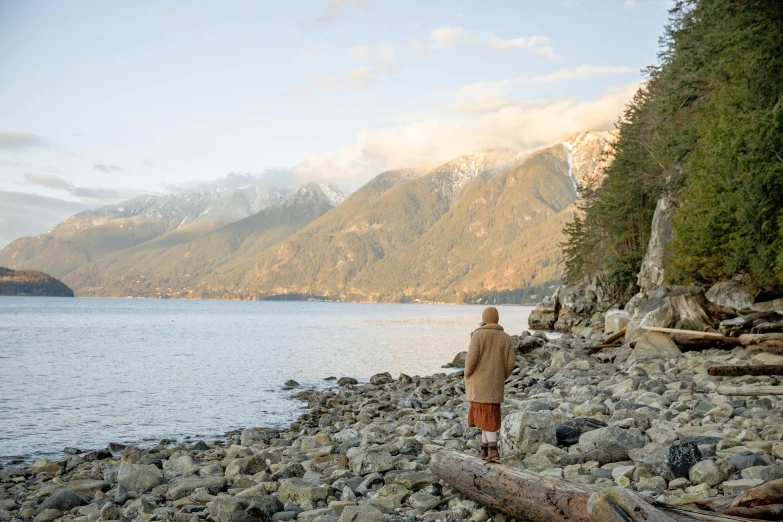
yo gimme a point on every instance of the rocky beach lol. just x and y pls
(645, 416)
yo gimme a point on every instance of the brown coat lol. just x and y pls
(488, 364)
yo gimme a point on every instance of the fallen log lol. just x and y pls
(537, 498)
(753, 391)
(705, 342)
(602, 346)
(769, 339)
(614, 337)
(736, 371)
(747, 322)
(691, 333)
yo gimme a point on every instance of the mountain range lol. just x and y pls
(481, 227)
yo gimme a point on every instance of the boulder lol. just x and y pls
(738, 487)
(139, 478)
(299, 490)
(655, 344)
(48, 515)
(361, 513)
(459, 360)
(234, 509)
(705, 472)
(734, 294)
(610, 444)
(524, 432)
(379, 379)
(63, 500)
(569, 432)
(616, 320)
(646, 312)
(255, 435)
(246, 466)
(185, 486)
(575, 308)
(369, 461)
(87, 487)
(345, 381)
(44, 466)
(674, 461)
(545, 314)
(652, 269)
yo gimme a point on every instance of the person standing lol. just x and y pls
(488, 364)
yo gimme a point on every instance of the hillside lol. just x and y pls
(31, 283)
(481, 225)
(90, 235)
(174, 268)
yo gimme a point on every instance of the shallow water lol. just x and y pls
(85, 372)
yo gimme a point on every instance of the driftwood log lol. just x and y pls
(753, 391)
(736, 371)
(748, 322)
(690, 333)
(537, 498)
(612, 338)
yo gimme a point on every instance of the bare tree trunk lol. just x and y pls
(694, 312)
(736, 371)
(752, 391)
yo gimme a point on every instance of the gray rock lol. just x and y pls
(655, 344)
(765, 473)
(256, 435)
(647, 312)
(545, 314)
(569, 432)
(610, 444)
(246, 466)
(345, 381)
(371, 461)
(233, 509)
(186, 485)
(48, 515)
(738, 487)
(290, 471)
(361, 513)
(63, 500)
(735, 294)
(705, 472)
(139, 478)
(423, 501)
(379, 379)
(524, 432)
(299, 490)
(459, 360)
(652, 269)
(616, 320)
(748, 459)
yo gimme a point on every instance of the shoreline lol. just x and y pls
(364, 449)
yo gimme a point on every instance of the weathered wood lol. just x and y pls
(705, 342)
(521, 494)
(691, 333)
(747, 322)
(770, 339)
(694, 311)
(763, 502)
(736, 371)
(614, 337)
(620, 505)
(537, 498)
(602, 346)
(753, 391)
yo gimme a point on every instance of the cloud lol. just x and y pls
(59, 183)
(147, 163)
(107, 168)
(487, 96)
(25, 214)
(331, 12)
(21, 141)
(518, 127)
(278, 177)
(449, 36)
(382, 59)
(47, 180)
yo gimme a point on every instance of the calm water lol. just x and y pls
(85, 372)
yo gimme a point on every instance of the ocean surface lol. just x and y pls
(86, 372)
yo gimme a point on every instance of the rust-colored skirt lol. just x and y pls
(484, 416)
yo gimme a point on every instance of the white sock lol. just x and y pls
(492, 436)
(483, 437)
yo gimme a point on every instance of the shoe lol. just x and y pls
(492, 454)
(484, 450)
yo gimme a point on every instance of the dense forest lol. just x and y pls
(31, 282)
(705, 132)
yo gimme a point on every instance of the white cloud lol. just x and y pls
(359, 51)
(21, 141)
(449, 36)
(518, 127)
(382, 59)
(486, 96)
(331, 12)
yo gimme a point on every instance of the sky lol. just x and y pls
(101, 101)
